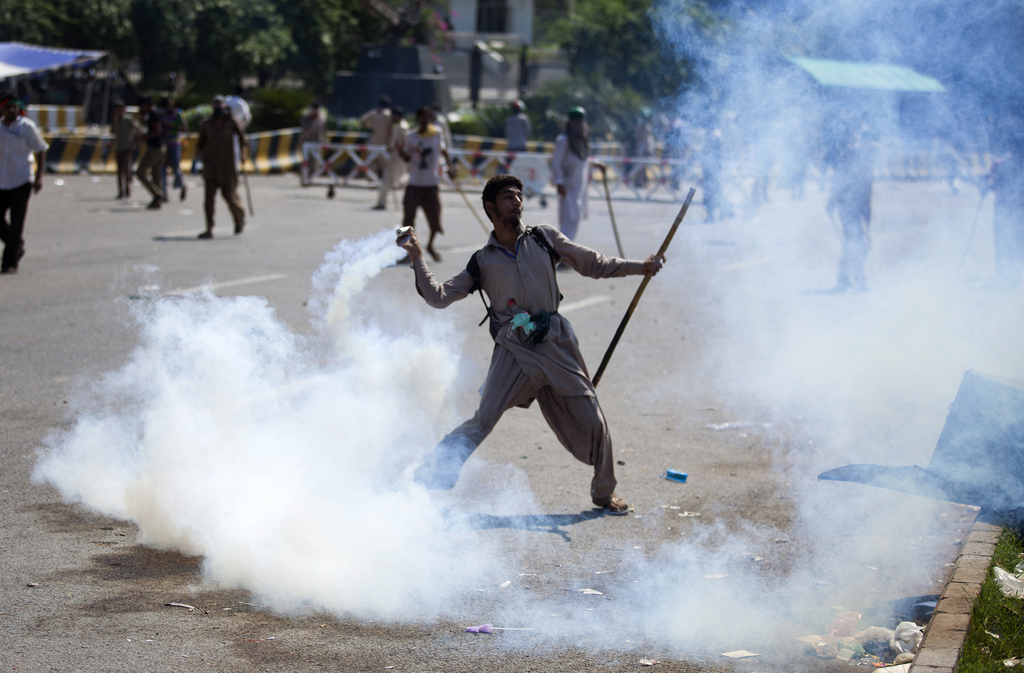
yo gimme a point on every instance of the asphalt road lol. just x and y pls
(738, 367)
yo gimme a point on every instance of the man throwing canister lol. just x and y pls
(536, 355)
(216, 146)
(22, 162)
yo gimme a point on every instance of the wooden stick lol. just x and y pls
(611, 213)
(248, 194)
(469, 205)
(640, 290)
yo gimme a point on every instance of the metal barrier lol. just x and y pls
(330, 165)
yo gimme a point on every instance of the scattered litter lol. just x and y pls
(483, 628)
(59, 182)
(716, 577)
(602, 572)
(191, 608)
(505, 583)
(753, 557)
(591, 592)
(739, 654)
(1010, 663)
(844, 623)
(1012, 586)
(906, 638)
(871, 567)
(32, 584)
(388, 668)
(675, 475)
(901, 668)
(689, 515)
(258, 640)
(96, 178)
(527, 574)
(994, 635)
(649, 662)
(736, 425)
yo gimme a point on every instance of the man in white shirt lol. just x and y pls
(22, 149)
(421, 150)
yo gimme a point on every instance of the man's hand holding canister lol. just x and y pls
(653, 264)
(407, 240)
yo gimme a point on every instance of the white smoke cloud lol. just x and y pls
(283, 460)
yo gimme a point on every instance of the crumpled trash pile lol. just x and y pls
(870, 645)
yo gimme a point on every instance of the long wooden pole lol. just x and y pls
(640, 290)
(469, 205)
(611, 214)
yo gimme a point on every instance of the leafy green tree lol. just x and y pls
(32, 21)
(166, 34)
(614, 42)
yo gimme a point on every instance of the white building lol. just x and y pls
(510, 21)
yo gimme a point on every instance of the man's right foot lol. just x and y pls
(614, 506)
(205, 235)
(155, 203)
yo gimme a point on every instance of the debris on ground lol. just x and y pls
(874, 645)
(483, 628)
(740, 654)
(191, 608)
(649, 662)
(675, 475)
(1012, 585)
(591, 592)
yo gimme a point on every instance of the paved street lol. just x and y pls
(242, 450)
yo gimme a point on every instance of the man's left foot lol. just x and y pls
(239, 227)
(615, 506)
(434, 254)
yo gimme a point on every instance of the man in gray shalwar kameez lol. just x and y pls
(516, 271)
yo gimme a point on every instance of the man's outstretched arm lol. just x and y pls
(438, 295)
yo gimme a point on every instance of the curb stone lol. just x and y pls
(947, 630)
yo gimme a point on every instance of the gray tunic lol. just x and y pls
(528, 277)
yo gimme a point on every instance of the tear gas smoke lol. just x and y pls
(224, 435)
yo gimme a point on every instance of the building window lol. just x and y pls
(492, 16)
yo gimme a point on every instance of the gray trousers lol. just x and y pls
(577, 422)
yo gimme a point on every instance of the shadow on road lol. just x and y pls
(547, 523)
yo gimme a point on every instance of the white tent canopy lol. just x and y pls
(17, 59)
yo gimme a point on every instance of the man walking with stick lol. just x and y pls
(536, 354)
(216, 146)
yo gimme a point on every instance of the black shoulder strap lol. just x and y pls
(542, 240)
(473, 267)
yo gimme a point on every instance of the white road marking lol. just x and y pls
(584, 303)
(225, 284)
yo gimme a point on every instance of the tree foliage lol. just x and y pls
(614, 42)
(210, 43)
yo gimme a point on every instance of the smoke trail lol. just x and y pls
(224, 436)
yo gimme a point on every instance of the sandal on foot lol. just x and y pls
(615, 506)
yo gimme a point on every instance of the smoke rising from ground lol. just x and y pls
(282, 460)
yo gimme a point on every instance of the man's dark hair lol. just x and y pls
(495, 185)
(146, 100)
(384, 101)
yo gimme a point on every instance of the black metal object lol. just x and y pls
(978, 460)
(405, 74)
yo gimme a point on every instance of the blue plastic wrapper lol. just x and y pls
(675, 475)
